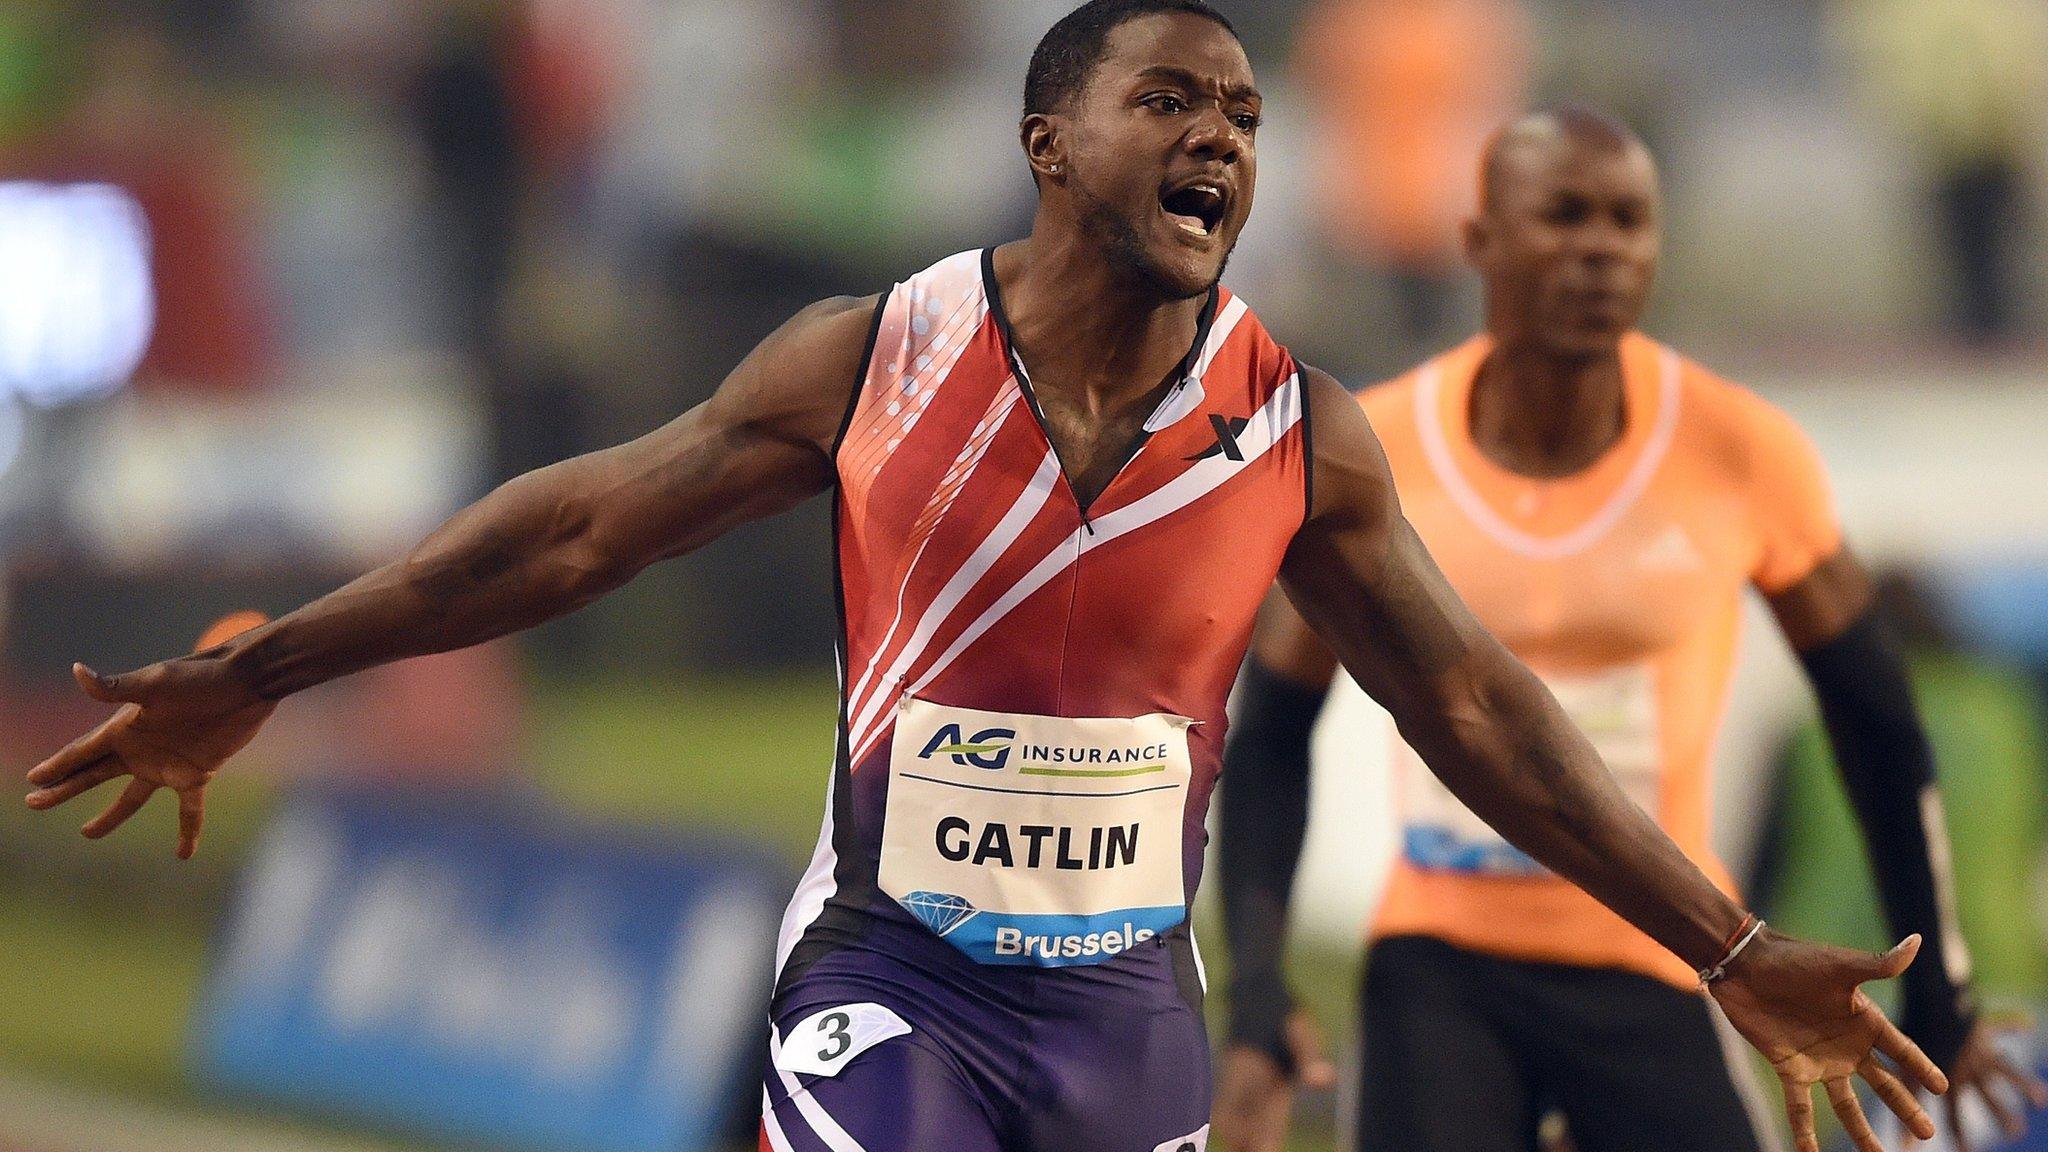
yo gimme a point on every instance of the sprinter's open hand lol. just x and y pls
(1803, 1007)
(1982, 1070)
(178, 723)
(1255, 1095)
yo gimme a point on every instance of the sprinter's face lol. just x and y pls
(1568, 242)
(1158, 150)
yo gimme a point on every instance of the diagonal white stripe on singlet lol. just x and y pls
(967, 460)
(1219, 331)
(971, 455)
(991, 549)
(1280, 413)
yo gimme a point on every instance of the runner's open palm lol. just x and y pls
(1255, 1096)
(1980, 1069)
(179, 721)
(1800, 1004)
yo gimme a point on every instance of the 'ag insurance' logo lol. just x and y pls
(990, 747)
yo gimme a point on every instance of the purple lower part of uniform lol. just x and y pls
(1099, 1058)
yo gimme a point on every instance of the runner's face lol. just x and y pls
(1160, 144)
(1569, 245)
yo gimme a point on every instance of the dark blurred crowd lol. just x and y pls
(403, 250)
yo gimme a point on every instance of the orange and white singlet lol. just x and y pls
(1032, 692)
(1621, 587)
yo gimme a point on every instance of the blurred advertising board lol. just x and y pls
(2002, 606)
(479, 969)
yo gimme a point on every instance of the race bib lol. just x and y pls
(1616, 709)
(1036, 840)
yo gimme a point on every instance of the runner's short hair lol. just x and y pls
(1070, 50)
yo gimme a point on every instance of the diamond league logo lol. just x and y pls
(941, 912)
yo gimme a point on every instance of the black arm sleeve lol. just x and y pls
(1866, 704)
(1264, 796)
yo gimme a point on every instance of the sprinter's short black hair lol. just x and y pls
(1070, 50)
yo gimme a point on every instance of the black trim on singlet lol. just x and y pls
(834, 924)
(1187, 971)
(1308, 446)
(1180, 372)
(860, 384)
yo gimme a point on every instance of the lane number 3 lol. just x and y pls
(834, 1027)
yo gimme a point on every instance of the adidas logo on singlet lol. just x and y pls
(1671, 551)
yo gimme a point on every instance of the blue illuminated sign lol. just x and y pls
(484, 973)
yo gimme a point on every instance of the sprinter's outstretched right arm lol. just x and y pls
(542, 545)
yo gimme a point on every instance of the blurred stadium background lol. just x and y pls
(282, 282)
